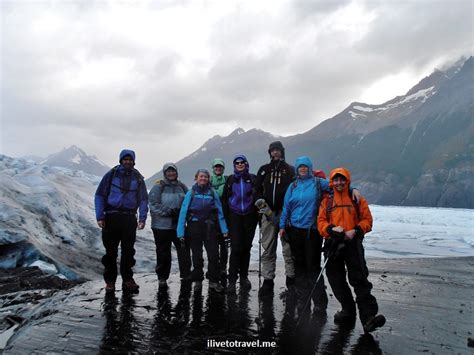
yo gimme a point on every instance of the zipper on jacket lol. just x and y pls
(274, 189)
(241, 195)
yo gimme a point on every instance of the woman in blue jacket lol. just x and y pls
(238, 199)
(200, 218)
(298, 219)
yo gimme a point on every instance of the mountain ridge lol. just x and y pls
(426, 135)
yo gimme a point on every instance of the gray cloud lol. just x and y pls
(104, 76)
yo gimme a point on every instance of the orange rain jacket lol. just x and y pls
(342, 212)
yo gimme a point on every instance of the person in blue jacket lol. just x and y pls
(200, 218)
(120, 193)
(298, 224)
(238, 200)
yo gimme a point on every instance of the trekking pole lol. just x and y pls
(260, 256)
(308, 301)
(332, 251)
(258, 320)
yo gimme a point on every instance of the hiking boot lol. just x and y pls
(130, 286)
(216, 286)
(245, 284)
(266, 289)
(344, 316)
(231, 287)
(162, 284)
(110, 287)
(373, 323)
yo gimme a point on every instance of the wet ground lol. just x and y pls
(428, 305)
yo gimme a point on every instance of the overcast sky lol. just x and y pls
(161, 77)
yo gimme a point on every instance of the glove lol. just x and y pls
(334, 244)
(336, 236)
(285, 238)
(174, 213)
(182, 242)
(359, 232)
(260, 203)
(227, 242)
(263, 208)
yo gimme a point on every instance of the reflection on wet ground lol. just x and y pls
(184, 317)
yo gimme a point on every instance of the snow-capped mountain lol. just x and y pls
(253, 143)
(75, 158)
(47, 219)
(362, 119)
(416, 149)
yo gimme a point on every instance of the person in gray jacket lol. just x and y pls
(165, 200)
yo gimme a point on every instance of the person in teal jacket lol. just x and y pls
(200, 219)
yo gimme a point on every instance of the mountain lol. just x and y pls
(253, 144)
(416, 149)
(47, 219)
(75, 158)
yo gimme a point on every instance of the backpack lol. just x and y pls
(113, 172)
(330, 202)
(319, 173)
(162, 184)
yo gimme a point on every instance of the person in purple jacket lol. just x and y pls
(242, 216)
(120, 193)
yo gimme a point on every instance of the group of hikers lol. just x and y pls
(295, 205)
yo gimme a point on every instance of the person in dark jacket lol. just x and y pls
(217, 182)
(120, 193)
(272, 182)
(238, 199)
(200, 218)
(166, 198)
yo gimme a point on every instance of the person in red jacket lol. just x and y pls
(343, 224)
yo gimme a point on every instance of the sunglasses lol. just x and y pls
(240, 162)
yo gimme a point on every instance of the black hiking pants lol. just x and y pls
(223, 254)
(199, 234)
(120, 229)
(163, 240)
(352, 257)
(241, 231)
(306, 245)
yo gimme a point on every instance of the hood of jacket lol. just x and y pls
(278, 145)
(166, 166)
(218, 161)
(304, 160)
(247, 167)
(126, 152)
(341, 171)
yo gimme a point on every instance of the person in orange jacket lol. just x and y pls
(343, 224)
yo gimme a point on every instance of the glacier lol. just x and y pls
(47, 219)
